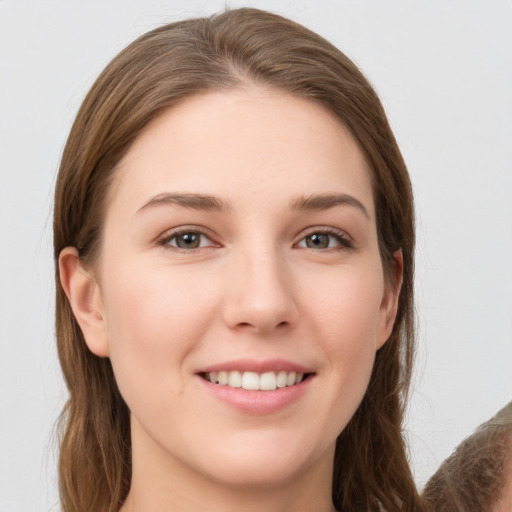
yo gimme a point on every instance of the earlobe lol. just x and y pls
(84, 297)
(389, 305)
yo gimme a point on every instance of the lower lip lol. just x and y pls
(258, 402)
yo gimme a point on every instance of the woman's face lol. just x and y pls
(240, 245)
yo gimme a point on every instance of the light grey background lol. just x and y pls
(443, 69)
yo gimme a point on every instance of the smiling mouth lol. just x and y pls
(254, 381)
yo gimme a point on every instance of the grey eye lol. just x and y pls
(318, 241)
(325, 240)
(188, 240)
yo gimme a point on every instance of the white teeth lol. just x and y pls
(253, 381)
(268, 381)
(235, 380)
(281, 379)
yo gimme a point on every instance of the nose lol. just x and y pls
(260, 296)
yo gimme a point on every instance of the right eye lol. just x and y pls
(187, 240)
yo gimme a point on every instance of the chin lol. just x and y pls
(257, 475)
(266, 465)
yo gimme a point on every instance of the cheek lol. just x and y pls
(155, 318)
(347, 307)
(346, 318)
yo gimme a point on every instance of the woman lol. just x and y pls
(234, 231)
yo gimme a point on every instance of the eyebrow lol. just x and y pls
(208, 202)
(326, 201)
(193, 201)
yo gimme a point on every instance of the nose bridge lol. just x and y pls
(260, 292)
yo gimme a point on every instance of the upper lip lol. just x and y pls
(250, 365)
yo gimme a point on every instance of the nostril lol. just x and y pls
(245, 325)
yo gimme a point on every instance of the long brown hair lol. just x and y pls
(160, 69)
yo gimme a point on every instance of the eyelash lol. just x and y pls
(340, 236)
(164, 242)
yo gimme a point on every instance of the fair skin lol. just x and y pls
(274, 269)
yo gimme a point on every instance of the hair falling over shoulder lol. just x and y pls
(160, 69)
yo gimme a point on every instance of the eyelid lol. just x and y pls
(345, 240)
(163, 240)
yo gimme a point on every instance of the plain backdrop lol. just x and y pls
(443, 69)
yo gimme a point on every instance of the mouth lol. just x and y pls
(257, 387)
(254, 381)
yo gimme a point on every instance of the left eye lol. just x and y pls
(322, 240)
(188, 240)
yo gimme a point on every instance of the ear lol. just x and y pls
(84, 296)
(389, 304)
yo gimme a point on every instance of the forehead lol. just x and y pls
(245, 143)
